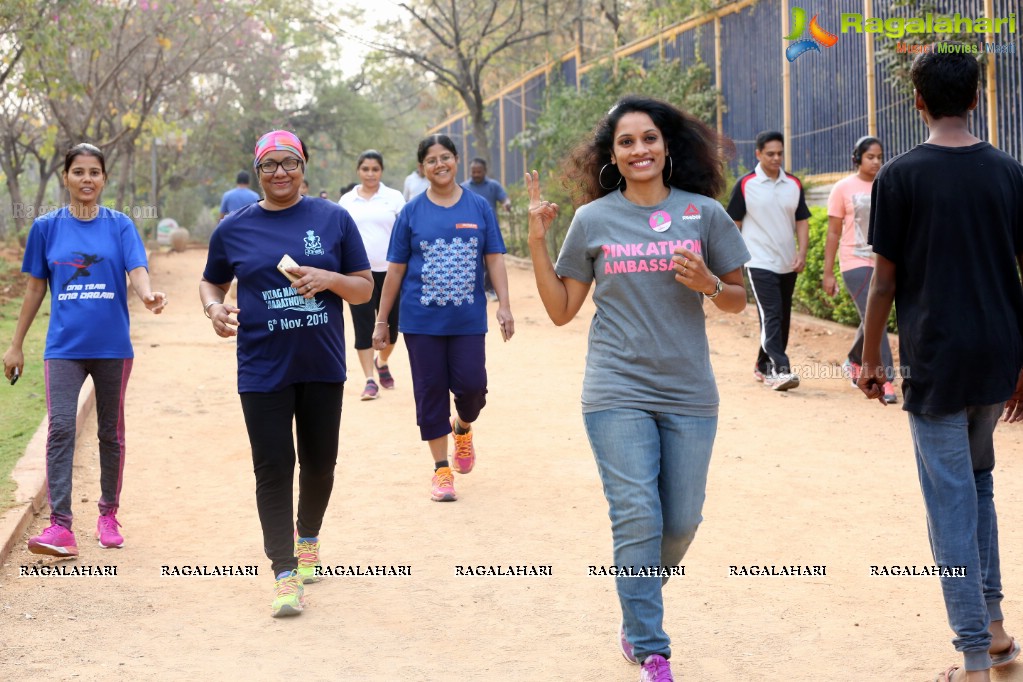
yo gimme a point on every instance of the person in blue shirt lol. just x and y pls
(439, 243)
(494, 193)
(82, 252)
(291, 348)
(238, 197)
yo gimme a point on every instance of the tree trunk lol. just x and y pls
(123, 175)
(480, 139)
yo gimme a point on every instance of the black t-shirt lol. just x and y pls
(951, 220)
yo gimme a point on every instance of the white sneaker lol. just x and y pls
(781, 382)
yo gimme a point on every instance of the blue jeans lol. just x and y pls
(653, 467)
(955, 456)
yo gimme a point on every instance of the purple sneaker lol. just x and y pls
(627, 652)
(106, 532)
(54, 541)
(656, 669)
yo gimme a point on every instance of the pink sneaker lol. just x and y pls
(106, 532)
(656, 669)
(54, 541)
(370, 392)
(384, 372)
(626, 648)
(852, 370)
(889, 393)
(465, 451)
(443, 486)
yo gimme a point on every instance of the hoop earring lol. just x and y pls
(600, 178)
(671, 168)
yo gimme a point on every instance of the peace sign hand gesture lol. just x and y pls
(541, 213)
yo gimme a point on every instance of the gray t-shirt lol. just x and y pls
(648, 340)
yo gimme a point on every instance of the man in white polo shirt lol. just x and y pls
(767, 204)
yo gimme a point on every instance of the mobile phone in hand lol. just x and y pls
(14, 376)
(288, 262)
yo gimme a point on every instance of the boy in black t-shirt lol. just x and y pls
(946, 225)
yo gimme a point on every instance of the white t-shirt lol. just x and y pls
(374, 218)
(414, 184)
(769, 209)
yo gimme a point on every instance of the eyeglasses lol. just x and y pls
(434, 160)
(270, 167)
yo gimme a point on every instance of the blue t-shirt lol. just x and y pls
(85, 263)
(443, 247)
(489, 189)
(236, 198)
(284, 338)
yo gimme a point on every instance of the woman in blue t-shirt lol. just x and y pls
(657, 246)
(81, 252)
(438, 246)
(291, 348)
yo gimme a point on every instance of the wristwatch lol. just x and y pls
(719, 286)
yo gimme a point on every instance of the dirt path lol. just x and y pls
(814, 477)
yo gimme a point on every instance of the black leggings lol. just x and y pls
(315, 409)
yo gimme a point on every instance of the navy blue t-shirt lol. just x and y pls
(442, 292)
(284, 338)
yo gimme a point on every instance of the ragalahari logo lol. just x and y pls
(818, 35)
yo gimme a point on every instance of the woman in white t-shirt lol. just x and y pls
(374, 206)
(848, 220)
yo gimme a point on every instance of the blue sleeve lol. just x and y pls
(400, 248)
(494, 238)
(218, 268)
(501, 194)
(223, 203)
(132, 248)
(34, 262)
(353, 251)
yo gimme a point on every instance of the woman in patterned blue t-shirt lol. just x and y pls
(438, 245)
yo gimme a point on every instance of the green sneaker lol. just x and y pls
(308, 552)
(287, 595)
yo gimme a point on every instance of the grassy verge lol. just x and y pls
(22, 406)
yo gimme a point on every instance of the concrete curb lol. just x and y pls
(30, 475)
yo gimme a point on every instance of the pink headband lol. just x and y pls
(278, 141)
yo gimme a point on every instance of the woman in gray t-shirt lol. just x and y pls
(656, 245)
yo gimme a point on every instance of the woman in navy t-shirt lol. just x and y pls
(438, 245)
(291, 349)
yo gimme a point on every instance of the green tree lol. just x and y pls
(456, 43)
(570, 115)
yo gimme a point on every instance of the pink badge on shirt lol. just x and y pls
(660, 221)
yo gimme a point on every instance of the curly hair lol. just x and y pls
(695, 150)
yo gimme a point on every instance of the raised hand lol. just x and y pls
(541, 213)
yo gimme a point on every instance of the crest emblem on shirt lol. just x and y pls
(313, 247)
(691, 212)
